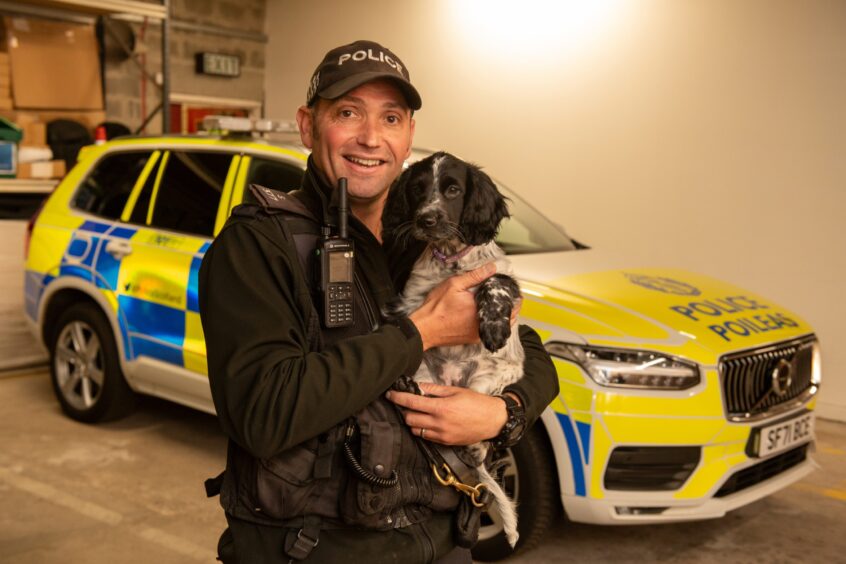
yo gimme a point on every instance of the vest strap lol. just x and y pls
(323, 464)
(299, 544)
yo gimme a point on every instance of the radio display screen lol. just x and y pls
(340, 267)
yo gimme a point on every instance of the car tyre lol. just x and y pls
(531, 481)
(85, 367)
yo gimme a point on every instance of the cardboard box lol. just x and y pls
(34, 134)
(54, 65)
(42, 170)
(33, 128)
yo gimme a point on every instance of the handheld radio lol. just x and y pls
(336, 256)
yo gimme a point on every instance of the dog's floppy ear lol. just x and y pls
(398, 205)
(484, 208)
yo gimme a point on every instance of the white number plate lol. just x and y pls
(781, 436)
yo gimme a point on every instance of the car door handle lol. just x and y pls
(118, 248)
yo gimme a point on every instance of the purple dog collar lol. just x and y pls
(451, 258)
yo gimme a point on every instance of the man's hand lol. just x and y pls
(450, 415)
(449, 315)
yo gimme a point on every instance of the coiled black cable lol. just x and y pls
(362, 473)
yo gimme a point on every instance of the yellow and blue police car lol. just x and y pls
(682, 397)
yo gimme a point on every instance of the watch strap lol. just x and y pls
(515, 424)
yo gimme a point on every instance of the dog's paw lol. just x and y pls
(494, 333)
(406, 384)
(495, 300)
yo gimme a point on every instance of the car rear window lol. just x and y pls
(278, 175)
(189, 193)
(106, 189)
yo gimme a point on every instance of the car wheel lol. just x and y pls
(529, 478)
(85, 368)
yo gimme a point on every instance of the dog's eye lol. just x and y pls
(452, 191)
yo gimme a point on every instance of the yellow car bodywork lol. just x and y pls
(683, 315)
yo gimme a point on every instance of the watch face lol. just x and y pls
(514, 426)
(519, 427)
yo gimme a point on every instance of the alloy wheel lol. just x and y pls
(79, 365)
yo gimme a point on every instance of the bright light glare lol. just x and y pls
(534, 30)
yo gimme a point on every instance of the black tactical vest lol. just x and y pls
(316, 479)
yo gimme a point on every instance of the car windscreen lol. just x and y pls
(528, 231)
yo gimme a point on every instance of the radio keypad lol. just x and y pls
(340, 304)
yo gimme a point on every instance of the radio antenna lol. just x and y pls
(342, 208)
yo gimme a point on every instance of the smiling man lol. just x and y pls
(321, 465)
(365, 136)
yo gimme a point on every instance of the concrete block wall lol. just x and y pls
(123, 83)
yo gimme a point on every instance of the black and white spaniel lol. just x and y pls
(456, 209)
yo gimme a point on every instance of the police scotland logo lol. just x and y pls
(661, 284)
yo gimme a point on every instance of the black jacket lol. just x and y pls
(271, 393)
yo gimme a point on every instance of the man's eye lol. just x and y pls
(393, 119)
(346, 113)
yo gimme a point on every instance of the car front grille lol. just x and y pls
(748, 379)
(765, 470)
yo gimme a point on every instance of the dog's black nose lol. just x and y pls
(427, 220)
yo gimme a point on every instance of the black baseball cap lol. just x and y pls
(349, 66)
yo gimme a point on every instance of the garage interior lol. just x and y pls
(705, 135)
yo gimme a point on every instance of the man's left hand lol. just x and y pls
(451, 415)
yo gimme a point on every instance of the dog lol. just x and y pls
(456, 209)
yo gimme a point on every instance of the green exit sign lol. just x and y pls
(218, 64)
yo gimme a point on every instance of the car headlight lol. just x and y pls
(816, 363)
(625, 368)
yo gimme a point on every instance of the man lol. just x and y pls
(321, 465)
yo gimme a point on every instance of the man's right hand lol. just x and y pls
(449, 315)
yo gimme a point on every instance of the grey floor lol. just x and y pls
(131, 491)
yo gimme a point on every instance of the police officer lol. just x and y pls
(321, 465)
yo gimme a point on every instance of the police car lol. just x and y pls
(682, 397)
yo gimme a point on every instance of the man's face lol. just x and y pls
(365, 135)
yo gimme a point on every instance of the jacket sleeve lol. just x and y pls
(269, 390)
(539, 384)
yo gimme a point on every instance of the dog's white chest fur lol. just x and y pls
(470, 366)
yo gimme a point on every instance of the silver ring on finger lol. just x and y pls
(423, 434)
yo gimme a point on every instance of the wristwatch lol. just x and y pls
(515, 425)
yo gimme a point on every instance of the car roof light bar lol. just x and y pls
(233, 125)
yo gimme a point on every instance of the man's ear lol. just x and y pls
(305, 118)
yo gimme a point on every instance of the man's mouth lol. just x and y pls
(364, 162)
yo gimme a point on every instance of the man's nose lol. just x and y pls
(369, 133)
